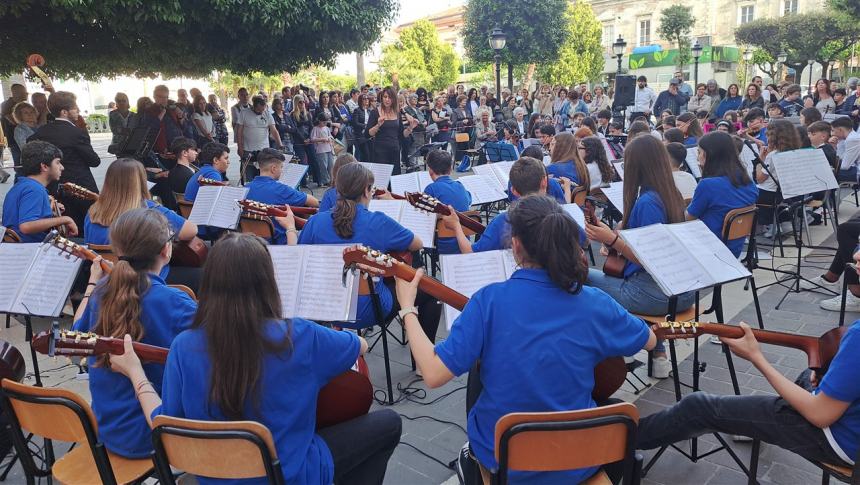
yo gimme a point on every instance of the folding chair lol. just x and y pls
(59, 414)
(257, 224)
(841, 473)
(568, 440)
(185, 208)
(11, 236)
(215, 449)
(188, 291)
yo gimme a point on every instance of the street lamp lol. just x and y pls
(697, 53)
(497, 43)
(748, 55)
(809, 63)
(781, 58)
(618, 48)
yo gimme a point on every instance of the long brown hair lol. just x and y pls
(594, 153)
(564, 151)
(339, 162)
(238, 295)
(124, 189)
(352, 182)
(782, 136)
(137, 237)
(647, 165)
(693, 128)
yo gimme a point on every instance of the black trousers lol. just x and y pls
(847, 234)
(385, 153)
(429, 311)
(362, 446)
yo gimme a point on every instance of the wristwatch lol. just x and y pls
(406, 311)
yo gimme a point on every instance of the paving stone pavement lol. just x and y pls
(442, 440)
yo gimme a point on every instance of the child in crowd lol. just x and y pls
(684, 181)
(322, 139)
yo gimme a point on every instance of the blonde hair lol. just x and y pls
(124, 189)
(18, 110)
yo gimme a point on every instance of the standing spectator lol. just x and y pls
(40, 102)
(716, 93)
(345, 114)
(323, 142)
(700, 101)
(203, 121)
(508, 109)
(557, 102)
(839, 96)
(253, 129)
(386, 130)
(731, 102)
(78, 154)
(643, 100)
(671, 99)
(360, 115)
(282, 122)
(442, 119)
(451, 99)
(19, 94)
(413, 110)
(462, 123)
(24, 114)
(352, 103)
(822, 97)
(240, 105)
(544, 101)
(300, 127)
(758, 81)
(472, 103)
(118, 119)
(683, 88)
(753, 99)
(599, 102)
(219, 119)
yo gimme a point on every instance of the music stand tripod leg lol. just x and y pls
(377, 310)
(28, 336)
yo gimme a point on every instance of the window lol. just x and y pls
(644, 32)
(608, 35)
(747, 14)
(789, 7)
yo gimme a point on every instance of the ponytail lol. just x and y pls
(343, 215)
(352, 182)
(550, 238)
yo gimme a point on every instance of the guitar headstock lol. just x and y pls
(370, 257)
(427, 203)
(76, 190)
(64, 245)
(210, 182)
(259, 208)
(670, 330)
(68, 343)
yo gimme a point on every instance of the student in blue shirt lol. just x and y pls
(330, 195)
(566, 161)
(690, 127)
(449, 191)
(267, 189)
(131, 300)
(756, 130)
(283, 366)
(650, 197)
(822, 425)
(351, 223)
(27, 206)
(125, 189)
(725, 186)
(215, 158)
(514, 340)
(557, 187)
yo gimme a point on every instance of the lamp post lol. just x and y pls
(809, 63)
(748, 55)
(497, 43)
(697, 53)
(781, 58)
(618, 48)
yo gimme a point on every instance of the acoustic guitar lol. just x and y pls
(75, 190)
(75, 249)
(377, 192)
(819, 350)
(609, 375)
(255, 209)
(427, 203)
(12, 365)
(615, 262)
(207, 182)
(345, 397)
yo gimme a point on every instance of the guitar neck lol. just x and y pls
(146, 352)
(432, 286)
(90, 256)
(470, 223)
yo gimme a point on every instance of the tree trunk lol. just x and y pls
(530, 72)
(511, 77)
(359, 68)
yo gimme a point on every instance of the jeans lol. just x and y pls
(325, 160)
(309, 155)
(847, 234)
(767, 418)
(639, 294)
(363, 460)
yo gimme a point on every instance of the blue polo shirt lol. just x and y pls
(537, 357)
(269, 191)
(288, 387)
(26, 201)
(648, 209)
(714, 198)
(328, 199)
(553, 189)
(453, 193)
(206, 172)
(497, 235)
(165, 312)
(563, 169)
(372, 229)
(841, 383)
(691, 142)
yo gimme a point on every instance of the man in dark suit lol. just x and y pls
(78, 153)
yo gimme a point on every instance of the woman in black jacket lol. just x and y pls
(359, 128)
(387, 126)
(299, 125)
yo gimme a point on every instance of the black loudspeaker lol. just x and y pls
(625, 90)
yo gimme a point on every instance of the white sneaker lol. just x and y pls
(852, 303)
(820, 282)
(662, 367)
(716, 340)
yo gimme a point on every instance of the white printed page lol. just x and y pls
(204, 203)
(292, 174)
(503, 172)
(322, 295)
(666, 260)
(226, 211)
(48, 283)
(619, 169)
(422, 224)
(15, 259)
(391, 208)
(693, 162)
(381, 173)
(288, 262)
(607, 149)
(802, 172)
(615, 194)
(576, 212)
(510, 263)
(468, 273)
(483, 189)
(408, 182)
(709, 250)
(424, 180)
(486, 170)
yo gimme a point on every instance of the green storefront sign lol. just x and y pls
(667, 58)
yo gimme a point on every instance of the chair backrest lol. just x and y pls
(217, 449)
(105, 251)
(185, 207)
(179, 196)
(739, 223)
(256, 224)
(11, 236)
(52, 413)
(188, 291)
(566, 440)
(461, 137)
(578, 195)
(443, 231)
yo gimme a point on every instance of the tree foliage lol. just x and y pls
(581, 55)
(535, 30)
(676, 22)
(94, 38)
(419, 59)
(850, 8)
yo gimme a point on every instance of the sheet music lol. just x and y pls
(576, 212)
(226, 211)
(391, 208)
(527, 142)
(610, 155)
(619, 169)
(483, 188)
(322, 296)
(710, 251)
(381, 173)
(666, 259)
(510, 264)
(292, 174)
(204, 204)
(410, 182)
(288, 262)
(693, 162)
(503, 172)
(486, 170)
(615, 194)
(803, 171)
(422, 224)
(48, 283)
(15, 260)
(747, 157)
(468, 273)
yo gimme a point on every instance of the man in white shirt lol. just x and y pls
(242, 94)
(352, 102)
(847, 147)
(765, 94)
(643, 100)
(254, 127)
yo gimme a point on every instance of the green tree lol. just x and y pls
(676, 22)
(581, 54)
(535, 30)
(93, 38)
(847, 7)
(419, 59)
(766, 63)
